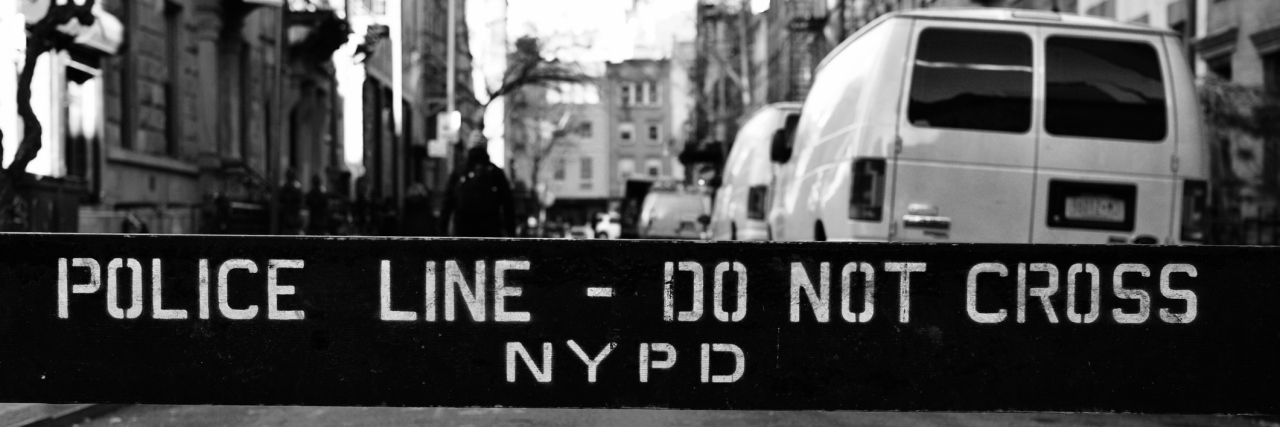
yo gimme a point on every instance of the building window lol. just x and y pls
(173, 98)
(1103, 89)
(626, 167)
(584, 130)
(558, 175)
(82, 113)
(978, 80)
(1271, 73)
(653, 134)
(633, 93)
(584, 169)
(241, 104)
(626, 132)
(653, 93)
(653, 167)
(1221, 67)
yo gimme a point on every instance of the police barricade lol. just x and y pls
(638, 324)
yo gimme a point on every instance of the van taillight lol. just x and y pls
(866, 198)
(756, 200)
(1195, 202)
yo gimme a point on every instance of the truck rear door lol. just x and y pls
(967, 144)
(1107, 139)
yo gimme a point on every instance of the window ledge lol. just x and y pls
(1218, 44)
(121, 155)
(1267, 41)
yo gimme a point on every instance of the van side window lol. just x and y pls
(979, 80)
(1103, 89)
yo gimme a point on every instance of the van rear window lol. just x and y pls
(1104, 89)
(966, 79)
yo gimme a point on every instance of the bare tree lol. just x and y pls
(540, 132)
(53, 32)
(529, 66)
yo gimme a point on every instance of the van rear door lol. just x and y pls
(964, 169)
(1107, 139)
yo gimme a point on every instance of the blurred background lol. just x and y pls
(330, 116)
(348, 117)
(333, 117)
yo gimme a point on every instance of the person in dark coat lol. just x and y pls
(318, 207)
(478, 199)
(290, 197)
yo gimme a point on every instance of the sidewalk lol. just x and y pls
(40, 414)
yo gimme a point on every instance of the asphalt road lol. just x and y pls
(199, 416)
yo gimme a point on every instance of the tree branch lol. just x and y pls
(43, 36)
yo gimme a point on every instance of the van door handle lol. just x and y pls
(928, 222)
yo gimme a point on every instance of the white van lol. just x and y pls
(741, 201)
(991, 125)
(674, 214)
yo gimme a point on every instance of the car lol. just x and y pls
(555, 230)
(580, 232)
(741, 202)
(608, 225)
(997, 125)
(674, 214)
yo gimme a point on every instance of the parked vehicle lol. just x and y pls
(674, 214)
(580, 232)
(743, 197)
(555, 230)
(608, 225)
(992, 125)
(632, 199)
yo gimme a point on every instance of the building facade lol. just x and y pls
(641, 137)
(66, 91)
(406, 164)
(191, 127)
(561, 136)
(429, 159)
(1241, 42)
(1240, 45)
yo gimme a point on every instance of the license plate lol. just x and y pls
(1094, 208)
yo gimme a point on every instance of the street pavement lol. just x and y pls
(200, 416)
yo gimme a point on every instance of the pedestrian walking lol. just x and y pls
(478, 199)
(290, 197)
(318, 207)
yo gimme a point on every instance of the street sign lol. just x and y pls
(637, 324)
